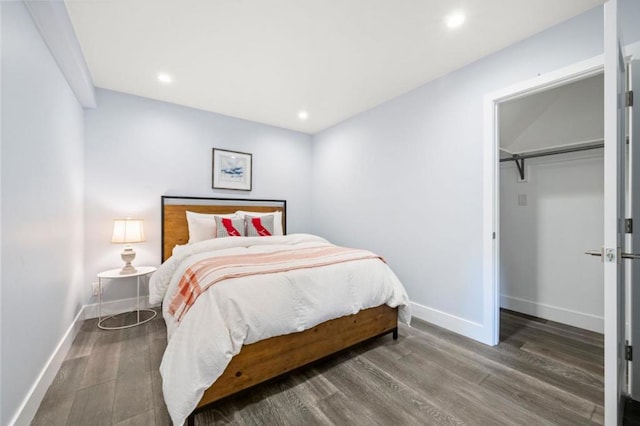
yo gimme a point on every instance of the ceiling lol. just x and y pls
(266, 61)
(572, 114)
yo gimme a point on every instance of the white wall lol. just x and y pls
(405, 179)
(138, 149)
(42, 206)
(544, 271)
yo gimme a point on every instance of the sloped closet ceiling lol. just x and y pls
(567, 115)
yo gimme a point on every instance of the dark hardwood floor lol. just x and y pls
(542, 373)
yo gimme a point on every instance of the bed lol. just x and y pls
(263, 359)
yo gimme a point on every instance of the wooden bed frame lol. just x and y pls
(267, 359)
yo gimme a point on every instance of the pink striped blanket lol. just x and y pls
(205, 273)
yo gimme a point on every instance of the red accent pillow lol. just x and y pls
(259, 226)
(229, 227)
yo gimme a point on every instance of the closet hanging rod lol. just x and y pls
(517, 157)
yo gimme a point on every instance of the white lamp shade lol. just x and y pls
(128, 231)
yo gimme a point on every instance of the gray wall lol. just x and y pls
(42, 204)
(405, 179)
(138, 149)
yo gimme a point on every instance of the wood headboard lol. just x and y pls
(174, 218)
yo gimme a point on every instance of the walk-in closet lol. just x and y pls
(551, 204)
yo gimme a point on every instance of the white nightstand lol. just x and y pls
(114, 274)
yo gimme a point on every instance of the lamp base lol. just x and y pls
(127, 256)
(128, 269)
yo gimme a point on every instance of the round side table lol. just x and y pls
(114, 274)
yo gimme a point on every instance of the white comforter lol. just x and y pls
(245, 310)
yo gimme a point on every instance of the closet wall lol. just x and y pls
(548, 221)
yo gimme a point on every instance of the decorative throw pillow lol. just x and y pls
(277, 219)
(259, 226)
(229, 227)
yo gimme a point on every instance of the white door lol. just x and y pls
(614, 209)
(633, 239)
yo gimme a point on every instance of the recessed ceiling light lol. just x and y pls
(303, 115)
(164, 78)
(454, 20)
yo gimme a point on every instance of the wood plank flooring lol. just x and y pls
(542, 373)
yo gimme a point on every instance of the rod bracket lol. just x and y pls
(520, 165)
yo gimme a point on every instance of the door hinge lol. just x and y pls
(628, 226)
(494, 235)
(628, 352)
(629, 98)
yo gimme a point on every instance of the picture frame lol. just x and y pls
(232, 170)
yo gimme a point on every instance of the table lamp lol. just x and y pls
(128, 231)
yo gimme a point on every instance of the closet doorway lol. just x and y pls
(551, 198)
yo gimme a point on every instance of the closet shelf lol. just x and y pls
(519, 158)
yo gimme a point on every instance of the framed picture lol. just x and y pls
(231, 170)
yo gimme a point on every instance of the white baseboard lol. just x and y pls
(31, 402)
(462, 326)
(553, 313)
(117, 307)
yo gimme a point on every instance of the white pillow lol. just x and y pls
(202, 226)
(277, 219)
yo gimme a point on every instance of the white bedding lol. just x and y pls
(245, 310)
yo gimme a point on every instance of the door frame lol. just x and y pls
(491, 179)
